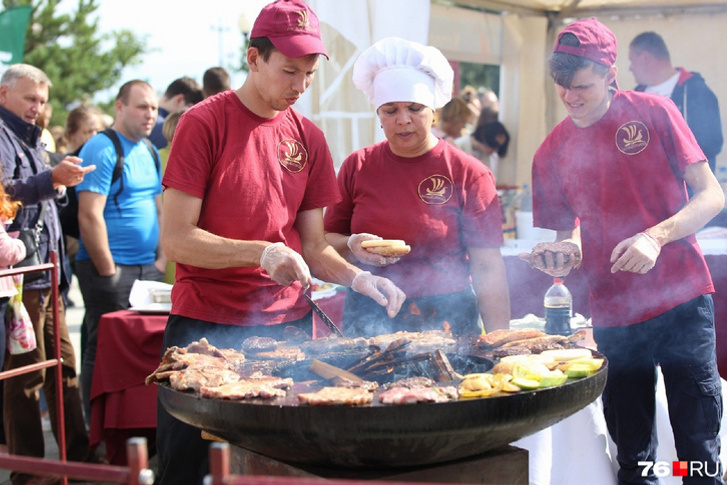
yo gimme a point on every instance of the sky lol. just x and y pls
(183, 41)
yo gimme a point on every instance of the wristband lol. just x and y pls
(653, 239)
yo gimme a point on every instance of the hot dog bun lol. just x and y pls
(386, 247)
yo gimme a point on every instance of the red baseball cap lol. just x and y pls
(291, 26)
(598, 44)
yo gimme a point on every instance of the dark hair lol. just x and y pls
(488, 134)
(652, 43)
(264, 46)
(125, 89)
(187, 86)
(215, 80)
(563, 67)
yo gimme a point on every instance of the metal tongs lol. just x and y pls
(326, 319)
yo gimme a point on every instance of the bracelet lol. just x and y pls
(653, 239)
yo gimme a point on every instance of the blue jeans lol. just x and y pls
(682, 342)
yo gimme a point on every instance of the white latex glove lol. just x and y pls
(364, 256)
(636, 254)
(382, 290)
(285, 265)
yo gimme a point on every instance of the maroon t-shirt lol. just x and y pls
(440, 203)
(254, 176)
(618, 177)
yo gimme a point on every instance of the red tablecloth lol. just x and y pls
(122, 406)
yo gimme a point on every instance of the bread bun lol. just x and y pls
(386, 247)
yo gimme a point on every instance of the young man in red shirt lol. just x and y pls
(612, 179)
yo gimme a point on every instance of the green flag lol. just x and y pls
(13, 23)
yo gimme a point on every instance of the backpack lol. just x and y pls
(69, 214)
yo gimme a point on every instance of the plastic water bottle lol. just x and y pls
(558, 303)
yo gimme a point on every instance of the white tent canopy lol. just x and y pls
(518, 36)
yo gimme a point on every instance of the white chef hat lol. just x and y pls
(399, 70)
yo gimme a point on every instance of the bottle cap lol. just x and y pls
(558, 280)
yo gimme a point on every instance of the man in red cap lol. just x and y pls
(245, 187)
(650, 288)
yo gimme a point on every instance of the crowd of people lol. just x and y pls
(104, 226)
(157, 194)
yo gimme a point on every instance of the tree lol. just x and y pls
(79, 60)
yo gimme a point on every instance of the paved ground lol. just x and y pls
(74, 317)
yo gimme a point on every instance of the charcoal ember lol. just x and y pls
(255, 345)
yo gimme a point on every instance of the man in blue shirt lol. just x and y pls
(118, 220)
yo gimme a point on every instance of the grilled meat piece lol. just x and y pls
(568, 251)
(497, 338)
(257, 385)
(204, 347)
(404, 395)
(196, 377)
(349, 384)
(333, 343)
(240, 390)
(337, 396)
(412, 383)
(430, 342)
(281, 354)
(504, 352)
(538, 342)
(178, 359)
(255, 345)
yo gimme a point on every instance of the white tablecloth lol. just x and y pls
(578, 450)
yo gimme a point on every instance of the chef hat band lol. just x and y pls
(403, 84)
(399, 70)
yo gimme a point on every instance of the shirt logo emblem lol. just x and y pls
(632, 138)
(303, 20)
(435, 190)
(292, 155)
